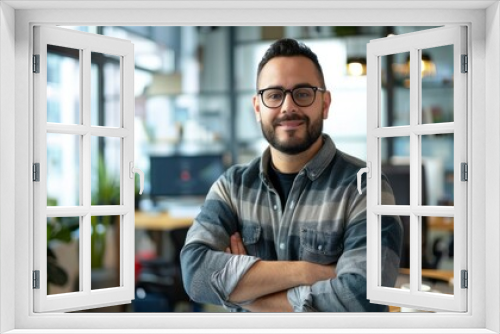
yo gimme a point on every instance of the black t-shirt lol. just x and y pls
(282, 182)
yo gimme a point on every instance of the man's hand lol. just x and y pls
(236, 246)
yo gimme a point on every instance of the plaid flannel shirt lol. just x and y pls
(323, 221)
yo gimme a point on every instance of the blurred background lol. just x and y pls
(194, 118)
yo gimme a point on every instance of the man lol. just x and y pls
(287, 232)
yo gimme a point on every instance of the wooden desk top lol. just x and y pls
(440, 223)
(160, 221)
(443, 275)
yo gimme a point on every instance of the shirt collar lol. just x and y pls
(313, 169)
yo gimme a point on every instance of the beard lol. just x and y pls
(292, 144)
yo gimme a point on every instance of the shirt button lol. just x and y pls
(275, 207)
(282, 246)
(320, 247)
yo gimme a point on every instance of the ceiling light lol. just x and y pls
(356, 66)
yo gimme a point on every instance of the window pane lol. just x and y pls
(105, 173)
(63, 85)
(63, 169)
(63, 255)
(395, 98)
(392, 242)
(105, 90)
(395, 166)
(105, 252)
(437, 254)
(437, 164)
(437, 84)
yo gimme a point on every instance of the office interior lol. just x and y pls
(194, 118)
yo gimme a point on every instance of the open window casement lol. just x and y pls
(401, 139)
(83, 171)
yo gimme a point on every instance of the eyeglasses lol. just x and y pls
(302, 96)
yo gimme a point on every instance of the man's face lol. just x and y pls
(289, 128)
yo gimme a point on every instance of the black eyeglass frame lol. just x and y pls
(285, 91)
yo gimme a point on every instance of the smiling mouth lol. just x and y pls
(290, 122)
(290, 125)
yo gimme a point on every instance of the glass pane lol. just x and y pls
(395, 239)
(63, 169)
(395, 166)
(63, 255)
(437, 84)
(105, 90)
(105, 173)
(438, 169)
(63, 85)
(395, 99)
(105, 252)
(437, 254)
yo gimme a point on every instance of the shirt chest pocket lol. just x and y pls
(250, 234)
(320, 247)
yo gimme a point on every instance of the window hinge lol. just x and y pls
(465, 279)
(465, 64)
(36, 279)
(36, 172)
(464, 171)
(36, 63)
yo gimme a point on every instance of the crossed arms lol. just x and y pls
(266, 283)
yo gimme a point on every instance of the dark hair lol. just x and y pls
(287, 47)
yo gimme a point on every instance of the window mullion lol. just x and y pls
(85, 161)
(96, 210)
(415, 232)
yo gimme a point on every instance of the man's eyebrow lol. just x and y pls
(305, 84)
(299, 85)
(271, 87)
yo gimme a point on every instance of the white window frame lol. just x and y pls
(483, 20)
(414, 43)
(85, 297)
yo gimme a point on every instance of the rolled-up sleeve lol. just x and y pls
(347, 292)
(209, 274)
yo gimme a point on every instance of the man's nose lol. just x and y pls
(288, 103)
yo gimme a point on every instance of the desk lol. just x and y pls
(440, 223)
(160, 221)
(442, 275)
(160, 227)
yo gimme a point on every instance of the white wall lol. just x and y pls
(7, 159)
(492, 153)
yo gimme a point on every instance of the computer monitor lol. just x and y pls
(399, 179)
(184, 176)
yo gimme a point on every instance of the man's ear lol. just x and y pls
(256, 108)
(327, 101)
